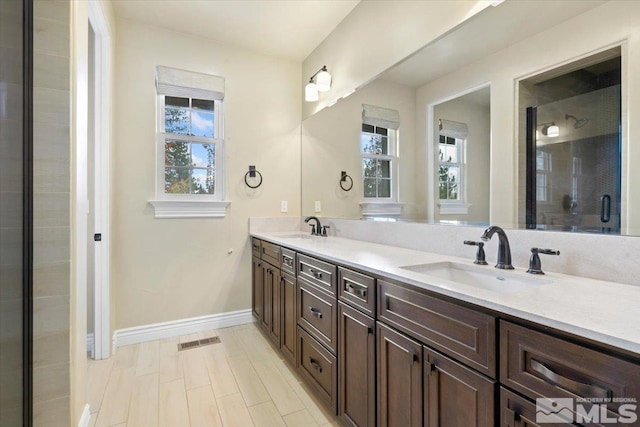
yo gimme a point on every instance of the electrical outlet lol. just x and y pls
(284, 206)
(318, 206)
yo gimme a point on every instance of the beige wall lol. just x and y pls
(478, 146)
(331, 144)
(377, 35)
(169, 269)
(616, 22)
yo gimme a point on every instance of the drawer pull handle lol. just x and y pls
(355, 289)
(287, 261)
(316, 274)
(315, 364)
(585, 390)
(315, 312)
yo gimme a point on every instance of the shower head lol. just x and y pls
(579, 122)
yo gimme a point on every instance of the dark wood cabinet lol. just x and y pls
(465, 334)
(516, 411)
(288, 316)
(399, 379)
(454, 395)
(318, 366)
(257, 292)
(271, 320)
(357, 367)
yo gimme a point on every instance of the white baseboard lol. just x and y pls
(85, 417)
(156, 331)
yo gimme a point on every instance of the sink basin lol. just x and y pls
(482, 277)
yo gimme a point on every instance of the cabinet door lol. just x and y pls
(454, 395)
(357, 362)
(399, 379)
(288, 316)
(273, 301)
(267, 295)
(257, 292)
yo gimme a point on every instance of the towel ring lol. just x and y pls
(251, 174)
(343, 179)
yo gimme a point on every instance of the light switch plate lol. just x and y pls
(318, 206)
(284, 206)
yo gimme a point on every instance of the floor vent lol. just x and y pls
(198, 343)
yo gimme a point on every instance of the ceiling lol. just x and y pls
(285, 28)
(489, 31)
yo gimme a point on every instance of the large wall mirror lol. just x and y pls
(442, 136)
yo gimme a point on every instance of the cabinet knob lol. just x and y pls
(315, 312)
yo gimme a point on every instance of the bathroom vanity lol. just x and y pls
(386, 339)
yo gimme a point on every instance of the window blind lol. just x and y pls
(379, 116)
(453, 129)
(189, 84)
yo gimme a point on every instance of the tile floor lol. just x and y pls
(240, 382)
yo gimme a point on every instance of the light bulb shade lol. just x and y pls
(553, 131)
(311, 92)
(323, 81)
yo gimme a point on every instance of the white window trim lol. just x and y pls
(460, 206)
(190, 205)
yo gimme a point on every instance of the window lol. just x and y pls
(452, 139)
(379, 149)
(378, 157)
(450, 167)
(190, 145)
(190, 142)
(543, 172)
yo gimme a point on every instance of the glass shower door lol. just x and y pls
(15, 218)
(574, 161)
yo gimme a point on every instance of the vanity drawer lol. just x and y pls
(516, 411)
(256, 247)
(270, 253)
(357, 290)
(319, 273)
(318, 367)
(317, 313)
(540, 365)
(288, 260)
(464, 334)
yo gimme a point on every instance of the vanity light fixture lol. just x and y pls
(322, 84)
(550, 129)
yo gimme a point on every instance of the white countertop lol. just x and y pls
(602, 311)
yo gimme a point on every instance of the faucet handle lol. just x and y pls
(313, 229)
(535, 265)
(480, 256)
(324, 230)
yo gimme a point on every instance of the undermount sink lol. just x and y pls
(483, 277)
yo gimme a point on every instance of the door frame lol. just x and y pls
(102, 177)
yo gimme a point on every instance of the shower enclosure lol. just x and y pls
(15, 213)
(573, 151)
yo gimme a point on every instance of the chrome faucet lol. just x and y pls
(315, 228)
(504, 251)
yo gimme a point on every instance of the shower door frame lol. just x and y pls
(27, 212)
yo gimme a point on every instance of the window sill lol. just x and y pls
(381, 208)
(457, 208)
(189, 208)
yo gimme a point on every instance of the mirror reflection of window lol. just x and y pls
(450, 167)
(378, 146)
(378, 158)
